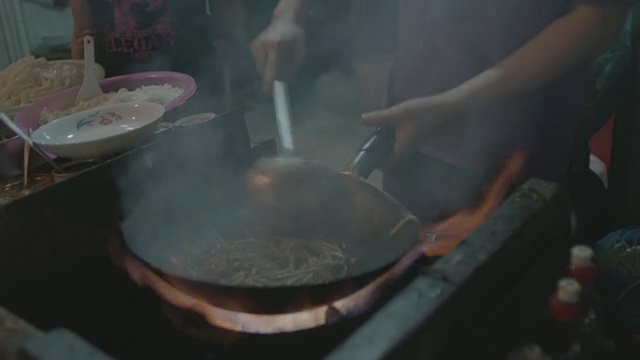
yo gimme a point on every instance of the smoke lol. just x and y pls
(178, 194)
(181, 190)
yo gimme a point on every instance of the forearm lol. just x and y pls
(579, 36)
(293, 10)
(82, 21)
(77, 52)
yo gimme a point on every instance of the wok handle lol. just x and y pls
(373, 153)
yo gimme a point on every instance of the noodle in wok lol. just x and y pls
(281, 260)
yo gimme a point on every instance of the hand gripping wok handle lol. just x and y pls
(373, 153)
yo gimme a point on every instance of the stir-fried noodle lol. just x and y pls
(280, 260)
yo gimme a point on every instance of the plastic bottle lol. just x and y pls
(583, 270)
(559, 337)
(581, 267)
(592, 326)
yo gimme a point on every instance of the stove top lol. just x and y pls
(172, 291)
(426, 311)
(103, 305)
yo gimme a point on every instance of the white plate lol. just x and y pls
(100, 131)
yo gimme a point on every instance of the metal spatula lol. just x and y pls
(90, 87)
(283, 117)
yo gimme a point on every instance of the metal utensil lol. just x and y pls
(90, 87)
(5, 119)
(283, 117)
(374, 152)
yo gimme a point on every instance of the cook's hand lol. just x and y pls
(77, 45)
(80, 39)
(278, 51)
(412, 120)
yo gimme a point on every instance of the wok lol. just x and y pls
(294, 199)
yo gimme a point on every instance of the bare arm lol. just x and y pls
(280, 48)
(581, 35)
(292, 10)
(82, 24)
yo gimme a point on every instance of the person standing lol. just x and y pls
(473, 81)
(145, 35)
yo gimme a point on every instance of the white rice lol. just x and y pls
(161, 94)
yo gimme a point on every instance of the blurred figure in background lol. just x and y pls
(144, 35)
(195, 37)
(472, 82)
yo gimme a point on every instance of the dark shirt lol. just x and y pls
(145, 35)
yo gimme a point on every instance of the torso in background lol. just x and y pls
(144, 35)
(196, 37)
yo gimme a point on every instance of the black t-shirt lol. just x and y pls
(146, 35)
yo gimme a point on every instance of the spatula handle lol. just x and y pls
(89, 54)
(283, 116)
(374, 152)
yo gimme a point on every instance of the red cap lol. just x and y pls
(565, 304)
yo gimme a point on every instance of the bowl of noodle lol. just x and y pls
(30, 79)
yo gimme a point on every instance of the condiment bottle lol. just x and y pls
(581, 267)
(592, 327)
(583, 270)
(559, 336)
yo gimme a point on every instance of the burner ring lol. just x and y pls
(242, 322)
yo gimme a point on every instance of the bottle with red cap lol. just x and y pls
(592, 327)
(581, 267)
(583, 270)
(560, 336)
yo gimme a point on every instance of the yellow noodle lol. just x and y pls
(275, 261)
(30, 79)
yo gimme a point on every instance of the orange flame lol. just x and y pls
(444, 236)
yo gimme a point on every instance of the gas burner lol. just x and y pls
(170, 290)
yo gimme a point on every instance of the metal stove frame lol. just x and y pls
(468, 302)
(480, 299)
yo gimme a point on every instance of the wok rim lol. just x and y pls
(349, 277)
(402, 246)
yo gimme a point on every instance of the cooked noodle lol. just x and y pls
(30, 79)
(282, 261)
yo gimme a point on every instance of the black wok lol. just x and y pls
(342, 208)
